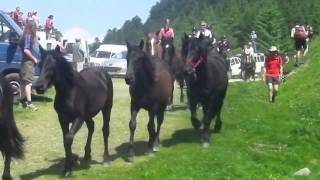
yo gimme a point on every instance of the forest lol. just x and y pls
(271, 19)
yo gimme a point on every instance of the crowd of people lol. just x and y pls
(272, 70)
(18, 16)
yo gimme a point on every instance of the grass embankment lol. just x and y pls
(259, 140)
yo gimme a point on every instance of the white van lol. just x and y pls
(235, 63)
(111, 57)
(108, 51)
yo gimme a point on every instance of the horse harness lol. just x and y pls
(195, 65)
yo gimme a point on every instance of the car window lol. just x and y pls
(120, 55)
(103, 54)
(6, 33)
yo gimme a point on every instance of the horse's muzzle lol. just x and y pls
(129, 80)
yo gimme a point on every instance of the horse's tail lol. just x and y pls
(12, 140)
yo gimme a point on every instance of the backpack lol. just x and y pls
(300, 33)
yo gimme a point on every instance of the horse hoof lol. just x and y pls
(130, 159)
(156, 149)
(106, 163)
(205, 144)
(75, 160)
(67, 174)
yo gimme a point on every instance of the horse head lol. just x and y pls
(139, 64)
(152, 46)
(194, 50)
(50, 68)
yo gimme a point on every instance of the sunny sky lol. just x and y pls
(88, 18)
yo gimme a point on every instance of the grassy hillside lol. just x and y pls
(259, 140)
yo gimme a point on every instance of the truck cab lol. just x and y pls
(10, 53)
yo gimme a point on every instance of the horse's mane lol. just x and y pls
(149, 67)
(64, 69)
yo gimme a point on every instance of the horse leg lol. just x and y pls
(160, 117)
(132, 126)
(218, 124)
(106, 113)
(152, 132)
(181, 91)
(193, 109)
(87, 149)
(68, 140)
(213, 108)
(6, 172)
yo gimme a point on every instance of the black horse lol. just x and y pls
(79, 97)
(150, 88)
(207, 82)
(11, 141)
(176, 64)
(248, 67)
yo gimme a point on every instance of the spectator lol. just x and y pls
(17, 17)
(253, 38)
(78, 55)
(166, 32)
(300, 35)
(31, 56)
(35, 18)
(49, 26)
(273, 72)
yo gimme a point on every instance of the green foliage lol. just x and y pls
(272, 19)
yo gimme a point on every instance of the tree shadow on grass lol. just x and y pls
(140, 148)
(56, 169)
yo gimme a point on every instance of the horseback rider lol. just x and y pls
(205, 31)
(224, 48)
(193, 32)
(166, 32)
(300, 35)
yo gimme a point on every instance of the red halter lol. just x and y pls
(196, 64)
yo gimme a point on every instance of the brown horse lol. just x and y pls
(150, 84)
(152, 45)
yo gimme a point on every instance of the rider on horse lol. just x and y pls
(205, 31)
(166, 32)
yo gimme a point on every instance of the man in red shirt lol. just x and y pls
(273, 72)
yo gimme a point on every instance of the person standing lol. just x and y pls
(49, 26)
(31, 55)
(273, 72)
(35, 18)
(17, 17)
(78, 55)
(253, 37)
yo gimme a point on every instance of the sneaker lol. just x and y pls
(31, 107)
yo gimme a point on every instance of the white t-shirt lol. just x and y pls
(205, 32)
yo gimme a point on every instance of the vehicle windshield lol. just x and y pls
(103, 54)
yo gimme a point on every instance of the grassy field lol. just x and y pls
(259, 140)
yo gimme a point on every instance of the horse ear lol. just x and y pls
(141, 45)
(57, 49)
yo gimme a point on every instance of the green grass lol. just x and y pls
(258, 140)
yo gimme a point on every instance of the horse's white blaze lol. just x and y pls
(152, 46)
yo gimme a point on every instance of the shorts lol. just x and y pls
(273, 80)
(300, 44)
(27, 72)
